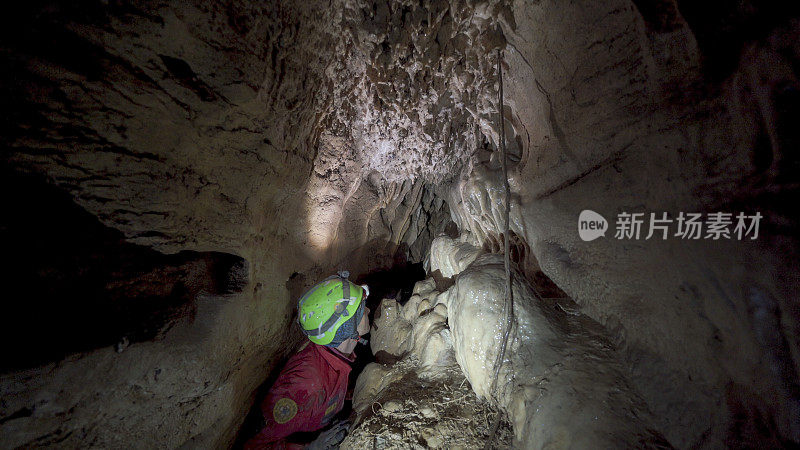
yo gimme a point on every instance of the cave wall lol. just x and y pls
(149, 117)
(643, 107)
(75, 285)
(233, 129)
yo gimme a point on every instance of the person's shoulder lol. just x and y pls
(309, 350)
(308, 358)
(301, 373)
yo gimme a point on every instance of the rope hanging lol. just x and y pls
(508, 304)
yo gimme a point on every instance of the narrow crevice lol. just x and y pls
(395, 282)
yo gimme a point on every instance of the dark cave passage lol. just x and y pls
(395, 282)
(73, 285)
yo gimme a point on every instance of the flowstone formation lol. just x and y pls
(415, 395)
(560, 374)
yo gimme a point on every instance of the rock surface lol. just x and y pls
(619, 111)
(415, 394)
(559, 374)
(208, 128)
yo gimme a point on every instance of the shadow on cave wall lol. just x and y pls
(72, 284)
(722, 28)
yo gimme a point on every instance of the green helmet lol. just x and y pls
(328, 305)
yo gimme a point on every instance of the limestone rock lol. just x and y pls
(390, 332)
(558, 373)
(450, 256)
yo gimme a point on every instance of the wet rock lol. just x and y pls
(390, 332)
(570, 373)
(450, 256)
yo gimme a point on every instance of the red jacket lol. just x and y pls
(309, 391)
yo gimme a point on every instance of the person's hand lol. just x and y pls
(330, 438)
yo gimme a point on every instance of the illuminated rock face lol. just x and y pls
(415, 395)
(450, 257)
(559, 374)
(617, 115)
(295, 139)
